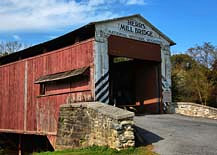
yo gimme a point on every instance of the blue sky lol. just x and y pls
(187, 22)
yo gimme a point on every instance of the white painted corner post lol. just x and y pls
(101, 62)
(166, 76)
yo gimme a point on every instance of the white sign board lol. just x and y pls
(133, 28)
(167, 96)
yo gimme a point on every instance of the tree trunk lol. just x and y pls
(201, 99)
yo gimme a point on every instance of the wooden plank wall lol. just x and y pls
(39, 115)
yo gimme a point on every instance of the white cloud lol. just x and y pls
(136, 2)
(16, 37)
(52, 36)
(18, 15)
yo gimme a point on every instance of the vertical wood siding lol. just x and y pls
(42, 112)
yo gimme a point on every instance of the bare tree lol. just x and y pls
(205, 54)
(10, 47)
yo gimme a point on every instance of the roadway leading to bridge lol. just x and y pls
(179, 135)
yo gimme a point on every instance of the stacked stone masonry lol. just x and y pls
(192, 109)
(94, 123)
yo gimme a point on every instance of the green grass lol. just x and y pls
(96, 150)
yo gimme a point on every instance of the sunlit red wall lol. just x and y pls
(24, 110)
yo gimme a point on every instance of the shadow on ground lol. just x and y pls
(144, 137)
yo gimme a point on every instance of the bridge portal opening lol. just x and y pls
(135, 75)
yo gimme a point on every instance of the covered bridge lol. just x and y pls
(123, 62)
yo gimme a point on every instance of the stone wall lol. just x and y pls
(192, 109)
(94, 123)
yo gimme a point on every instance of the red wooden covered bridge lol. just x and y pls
(123, 62)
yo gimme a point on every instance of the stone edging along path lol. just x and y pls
(193, 109)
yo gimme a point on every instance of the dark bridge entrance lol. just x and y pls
(135, 75)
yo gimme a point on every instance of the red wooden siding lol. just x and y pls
(11, 93)
(65, 86)
(41, 115)
(119, 46)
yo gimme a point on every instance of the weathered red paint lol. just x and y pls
(123, 47)
(147, 86)
(41, 113)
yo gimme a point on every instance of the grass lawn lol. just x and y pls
(96, 150)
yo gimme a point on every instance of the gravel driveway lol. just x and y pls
(178, 135)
